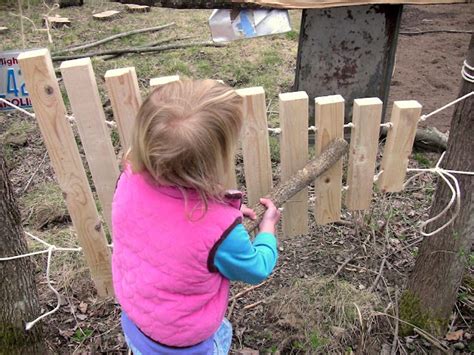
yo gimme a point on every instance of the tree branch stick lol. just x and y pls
(153, 44)
(111, 38)
(137, 50)
(286, 190)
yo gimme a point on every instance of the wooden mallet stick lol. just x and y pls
(286, 190)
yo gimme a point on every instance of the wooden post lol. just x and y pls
(329, 114)
(155, 82)
(255, 144)
(124, 94)
(366, 117)
(38, 71)
(81, 87)
(294, 156)
(399, 144)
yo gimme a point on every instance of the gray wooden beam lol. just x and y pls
(348, 51)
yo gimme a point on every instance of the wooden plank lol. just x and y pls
(329, 114)
(107, 15)
(137, 8)
(124, 94)
(284, 4)
(81, 87)
(41, 83)
(399, 144)
(255, 144)
(294, 156)
(155, 82)
(366, 117)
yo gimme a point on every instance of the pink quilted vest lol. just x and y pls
(160, 260)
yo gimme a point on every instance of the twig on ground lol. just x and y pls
(153, 44)
(247, 290)
(343, 265)
(138, 50)
(417, 330)
(415, 33)
(22, 29)
(379, 275)
(111, 38)
(395, 332)
(431, 339)
(252, 305)
(34, 173)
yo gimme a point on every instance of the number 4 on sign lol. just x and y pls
(12, 87)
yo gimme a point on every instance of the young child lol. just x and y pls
(178, 237)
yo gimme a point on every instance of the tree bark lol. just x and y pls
(18, 296)
(286, 190)
(432, 287)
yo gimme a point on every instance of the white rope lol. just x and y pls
(465, 75)
(50, 249)
(455, 194)
(70, 118)
(424, 117)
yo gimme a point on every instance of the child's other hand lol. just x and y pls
(270, 217)
(248, 212)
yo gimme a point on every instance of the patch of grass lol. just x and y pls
(44, 205)
(271, 57)
(292, 35)
(422, 160)
(82, 334)
(17, 133)
(316, 341)
(310, 307)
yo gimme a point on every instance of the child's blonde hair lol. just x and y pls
(185, 135)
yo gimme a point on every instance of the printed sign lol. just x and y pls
(12, 86)
(228, 25)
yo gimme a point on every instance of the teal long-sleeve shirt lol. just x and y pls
(238, 259)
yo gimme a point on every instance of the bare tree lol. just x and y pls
(18, 296)
(433, 285)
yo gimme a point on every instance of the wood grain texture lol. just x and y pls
(155, 82)
(294, 156)
(284, 4)
(81, 87)
(41, 83)
(329, 114)
(399, 145)
(314, 4)
(366, 117)
(255, 144)
(124, 94)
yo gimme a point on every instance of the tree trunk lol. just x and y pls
(432, 287)
(18, 296)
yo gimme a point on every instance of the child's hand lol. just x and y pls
(248, 212)
(270, 217)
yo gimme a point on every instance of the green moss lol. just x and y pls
(411, 311)
(14, 339)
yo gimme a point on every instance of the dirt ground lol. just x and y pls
(333, 290)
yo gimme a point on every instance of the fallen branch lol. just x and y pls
(428, 139)
(153, 44)
(137, 50)
(379, 275)
(431, 339)
(286, 190)
(111, 38)
(416, 33)
(247, 290)
(343, 265)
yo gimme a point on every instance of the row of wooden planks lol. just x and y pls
(123, 91)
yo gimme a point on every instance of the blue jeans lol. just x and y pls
(139, 344)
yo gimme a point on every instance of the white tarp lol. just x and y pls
(228, 25)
